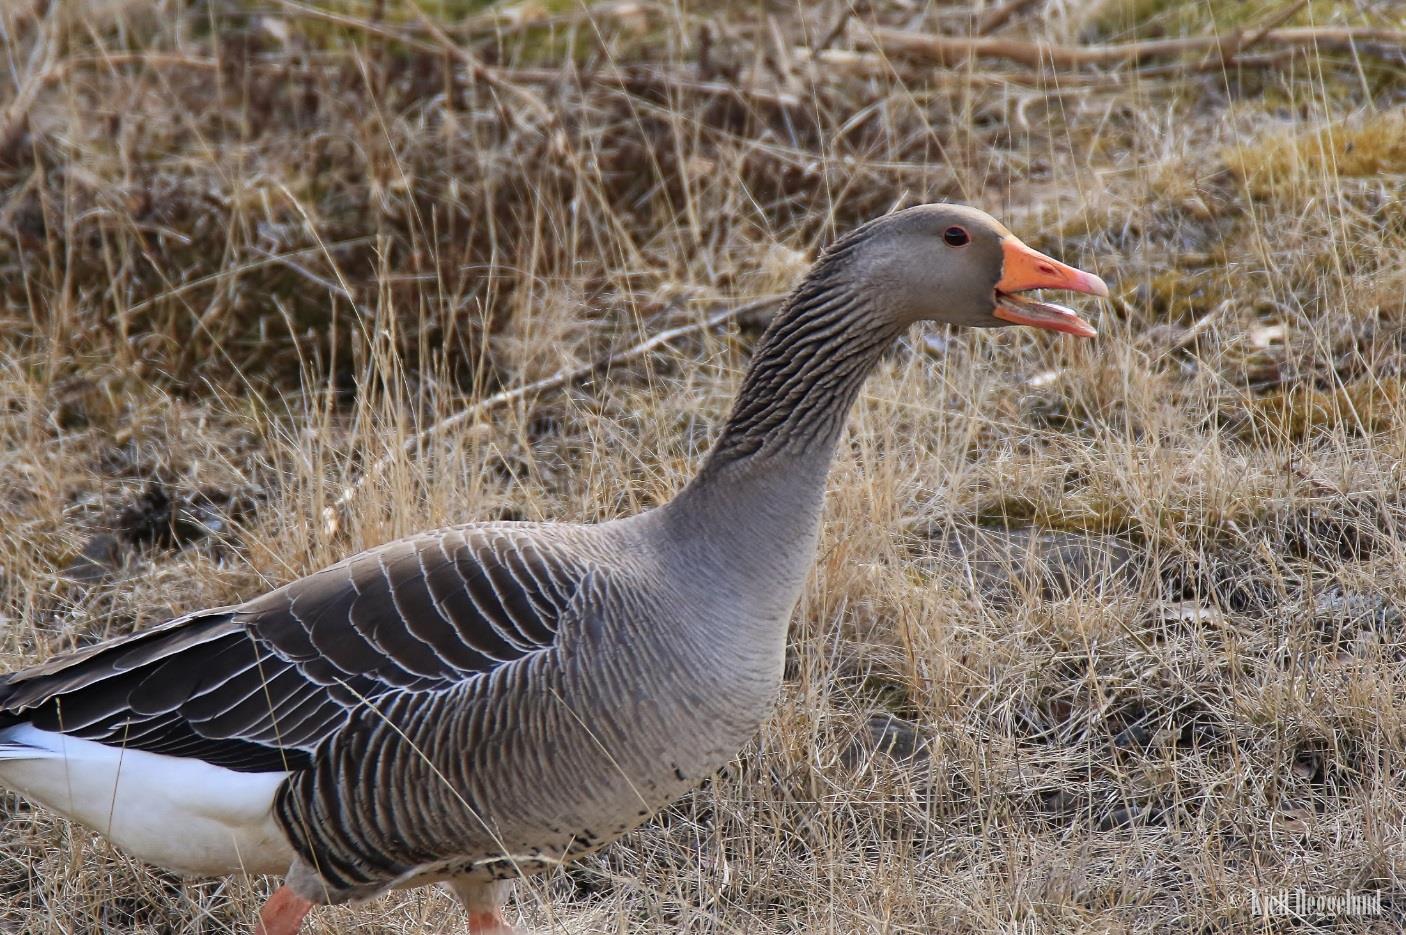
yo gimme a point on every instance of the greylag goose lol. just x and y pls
(480, 702)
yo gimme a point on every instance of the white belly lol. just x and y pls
(181, 814)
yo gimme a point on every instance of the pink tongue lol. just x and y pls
(1046, 315)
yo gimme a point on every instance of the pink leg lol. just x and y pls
(488, 922)
(282, 914)
(484, 904)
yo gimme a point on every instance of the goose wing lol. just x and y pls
(258, 686)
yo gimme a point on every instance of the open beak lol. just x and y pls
(1024, 269)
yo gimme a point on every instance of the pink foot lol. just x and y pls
(282, 914)
(483, 903)
(489, 922)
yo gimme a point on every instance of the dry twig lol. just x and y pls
(998, 16)
(953, 50)
(875, 65)
(637, 79)
(562, 378)
(1241, 41)
(43, 63)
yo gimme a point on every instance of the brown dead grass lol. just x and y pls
(1371, 147)
(1103, 637)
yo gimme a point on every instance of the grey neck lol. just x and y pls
(806, 374)
(754, 507)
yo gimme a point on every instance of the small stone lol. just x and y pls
(1133, 737)
(1127, 815)
(1305, 766)
(902, 741)
(1190, 612)
(933, 345)
(100, 557)
(1292, 820)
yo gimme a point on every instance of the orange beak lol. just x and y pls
(1022, 269)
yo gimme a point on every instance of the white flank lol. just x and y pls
(178, 813)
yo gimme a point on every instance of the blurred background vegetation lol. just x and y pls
(1104, 637)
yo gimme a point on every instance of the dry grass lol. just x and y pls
(1104, 636)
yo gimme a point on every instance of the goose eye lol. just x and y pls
(956, 237)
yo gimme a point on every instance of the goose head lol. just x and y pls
(960, 266)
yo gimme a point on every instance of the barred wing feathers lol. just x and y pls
(257, 687)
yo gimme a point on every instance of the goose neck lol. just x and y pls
(803, 380)
(761, 488)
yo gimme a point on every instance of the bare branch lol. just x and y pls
(953, 50)
(1242, 41)
(996, 17)
(331, 515)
